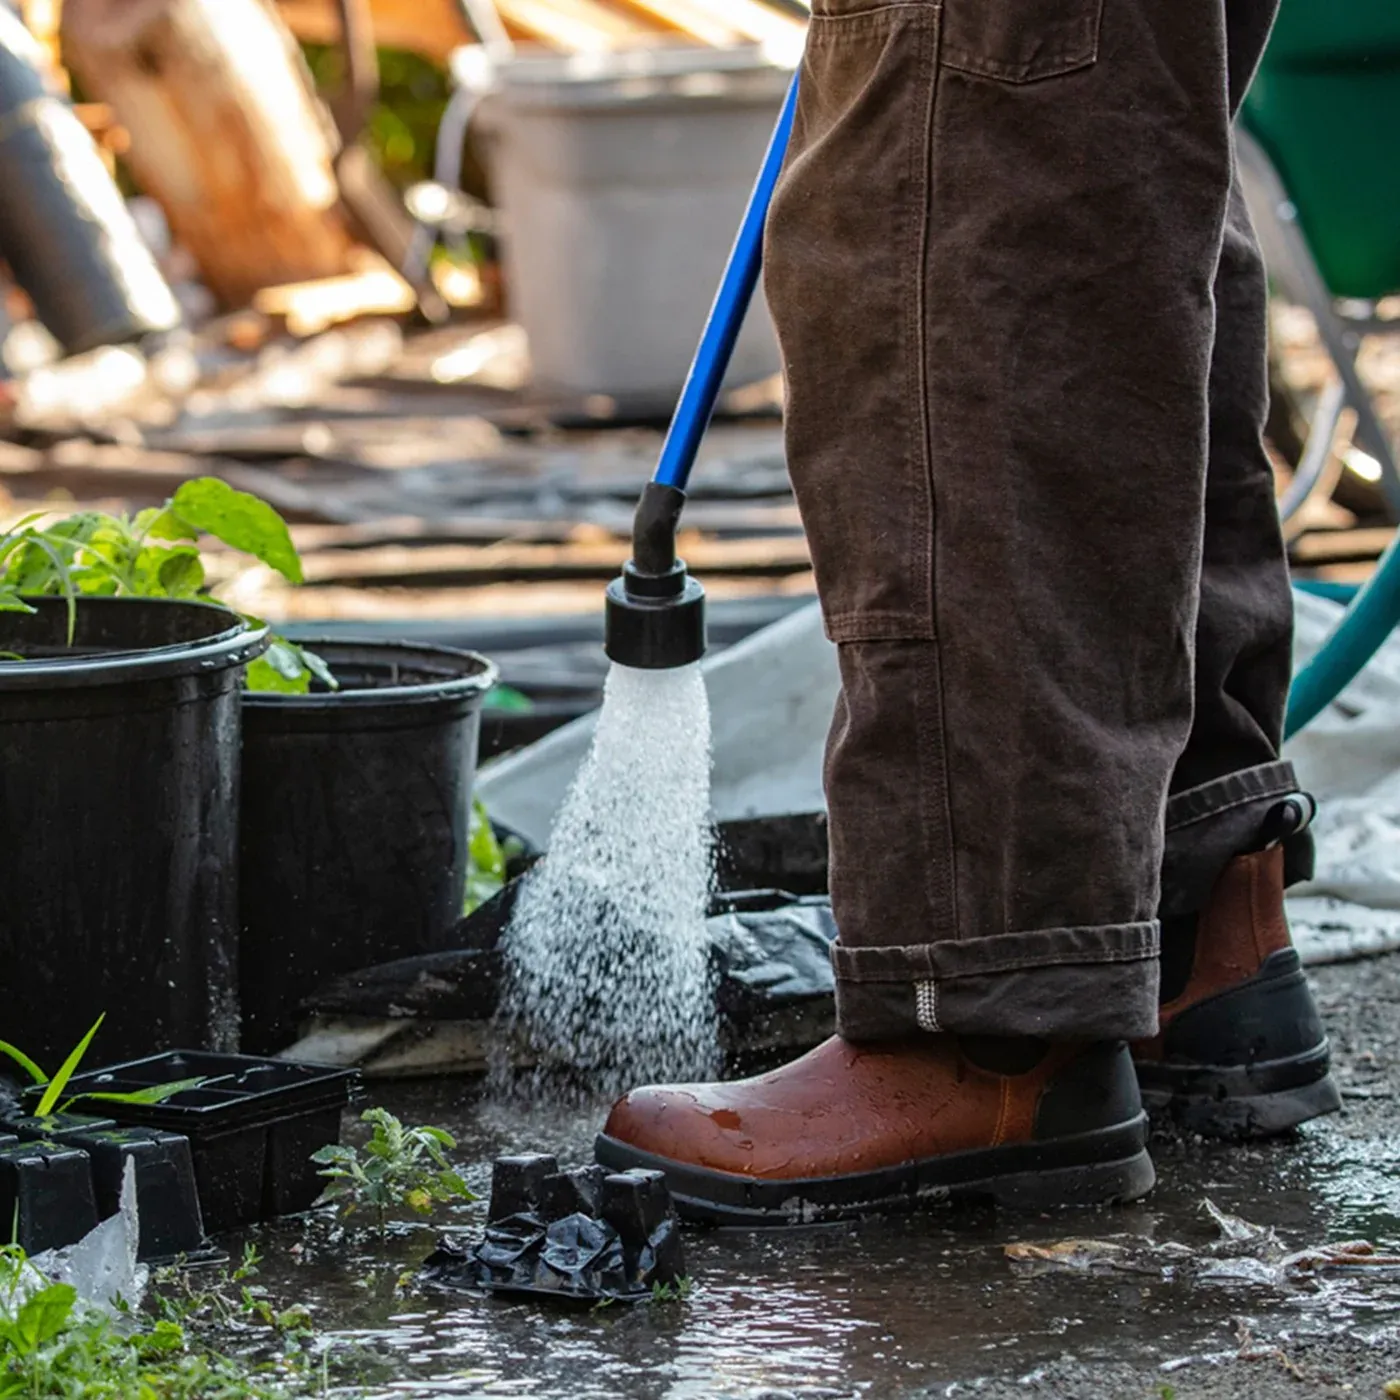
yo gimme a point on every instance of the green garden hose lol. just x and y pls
(1367, 622)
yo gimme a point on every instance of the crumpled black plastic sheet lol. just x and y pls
(581, 1236)
(770, 949)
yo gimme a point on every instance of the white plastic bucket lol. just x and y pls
(621, 179)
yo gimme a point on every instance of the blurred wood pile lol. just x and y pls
(435, 28)
(422, 475)
(413, 491)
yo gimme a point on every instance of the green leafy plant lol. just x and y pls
(506, 700)
(31, 1315)
(676, 1292)
(155, 554)
(400, 1166)
(54, 1087)
(488, 859)
(187, 1298)
(52, 1344)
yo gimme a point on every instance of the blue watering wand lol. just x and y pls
(655, 612)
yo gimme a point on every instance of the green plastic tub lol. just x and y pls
(1326, 108)
(1312, 32)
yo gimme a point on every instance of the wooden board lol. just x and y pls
(225, 131)
(434, 28)
(402, 564)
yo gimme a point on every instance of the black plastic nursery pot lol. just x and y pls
(252, 1126)
(354, 821)
(167, 1201)
(46, 1194)
(119, 758)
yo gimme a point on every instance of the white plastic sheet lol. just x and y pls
(102, 1265)
(1349, 759)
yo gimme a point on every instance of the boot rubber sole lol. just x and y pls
(1237, 1102)
(1089, 1169)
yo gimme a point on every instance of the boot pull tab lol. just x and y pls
(1291, 817)
(1286, 824)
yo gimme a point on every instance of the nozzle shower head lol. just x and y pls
(654, 617)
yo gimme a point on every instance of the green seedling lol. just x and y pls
(53, 1090)
(676, 1292)
(506, 700)
(52, 1344)
(49, 1100)
(155, 554)
(399, 1167)
(488, 859)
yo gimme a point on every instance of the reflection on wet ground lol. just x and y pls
(885, 1309)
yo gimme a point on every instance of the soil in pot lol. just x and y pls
(119, 762)
(354, 821)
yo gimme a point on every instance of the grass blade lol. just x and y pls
(59, 1082)
(24, 1062)
(153, 1093)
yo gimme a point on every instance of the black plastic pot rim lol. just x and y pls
(235, 645)
(478, 681)
(312, 1086)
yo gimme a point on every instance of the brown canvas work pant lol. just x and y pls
(1022, 314)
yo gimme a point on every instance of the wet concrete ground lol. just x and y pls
(921, 1307)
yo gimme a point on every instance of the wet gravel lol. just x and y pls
(915, 1308)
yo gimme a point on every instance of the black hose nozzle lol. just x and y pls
(655, 613)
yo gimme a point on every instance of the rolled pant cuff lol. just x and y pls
(1208, 825)
(1069, 983)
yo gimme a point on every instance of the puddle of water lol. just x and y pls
(888, 1309)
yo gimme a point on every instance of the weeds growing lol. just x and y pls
(54, 1346)
(49, 1100)
(400, 1166)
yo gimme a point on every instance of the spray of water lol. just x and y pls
(607, 961)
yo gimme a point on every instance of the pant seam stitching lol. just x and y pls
(926, 1005)
(949, 861)
(999, 967)
(1237, 775)
(1234, 805)
(1281, 779)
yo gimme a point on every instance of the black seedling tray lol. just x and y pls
(252, 1125)
(167, 1202)
(46, 1191)
(570, 1236)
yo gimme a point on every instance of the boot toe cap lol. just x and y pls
(675, 1122)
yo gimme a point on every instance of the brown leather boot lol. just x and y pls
(851, 1130)
(1241, 1051)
